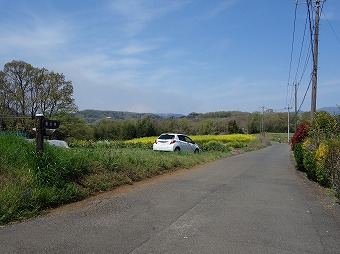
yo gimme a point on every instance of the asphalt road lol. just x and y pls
(250, 203)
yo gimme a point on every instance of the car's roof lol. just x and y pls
(173, 134)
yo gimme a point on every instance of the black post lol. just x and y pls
(40, 133)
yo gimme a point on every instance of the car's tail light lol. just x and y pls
(172, 142)
(155, 141)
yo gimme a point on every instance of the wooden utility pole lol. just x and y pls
(295, 120)
(315, 54)
(315, 59)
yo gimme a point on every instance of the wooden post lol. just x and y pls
(40, 133)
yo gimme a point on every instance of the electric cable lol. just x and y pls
(299, 62)
(292, 50)
(329, 23)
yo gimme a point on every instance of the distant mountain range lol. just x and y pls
(92, 115)
(331, 110)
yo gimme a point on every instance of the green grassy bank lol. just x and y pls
(32, 183)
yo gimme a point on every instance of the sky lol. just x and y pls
(176, 56)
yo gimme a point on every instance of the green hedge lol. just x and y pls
(298, 155)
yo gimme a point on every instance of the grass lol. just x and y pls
(283, 137)
(31, 183)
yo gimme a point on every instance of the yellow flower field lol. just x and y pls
(203, 138)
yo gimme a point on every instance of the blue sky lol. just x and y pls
(174, 56)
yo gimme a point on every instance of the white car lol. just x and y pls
(175, 142)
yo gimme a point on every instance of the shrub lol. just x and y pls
(214, 146)
(323, 175)
(301, 134)
(324, 126)
(298, 155)
(332, 163)
(309, 150)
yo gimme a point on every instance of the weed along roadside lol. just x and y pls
(31, 184)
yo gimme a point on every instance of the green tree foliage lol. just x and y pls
(92, 115)
(128, 130)
(145, 127)
(233, 127)
(26, 91)
(324, 125)
(205, 127)
(107, 129)
(73, 127)
(255, 123)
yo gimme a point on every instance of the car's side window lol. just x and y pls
(181, 138)
(189, 140)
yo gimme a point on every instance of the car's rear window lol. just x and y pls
(166, 136)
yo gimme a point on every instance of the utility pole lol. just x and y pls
(315, 54)
(315, 59)
(288, 129)
(295, 121)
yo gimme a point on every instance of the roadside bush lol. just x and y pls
(332, 163)
(298, 155)
(214, 146)
(324, 126)
(309, 149)
(316, 162)
(323, 174)
(300, 134)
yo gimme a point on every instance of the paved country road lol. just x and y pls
(250, 203)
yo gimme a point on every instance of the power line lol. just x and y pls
(313, 22)
(292, 50)
(301, 50)
(303, 100)
(329, 23)
(296, 82)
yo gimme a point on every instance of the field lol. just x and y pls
(200, 139)
(31, 183)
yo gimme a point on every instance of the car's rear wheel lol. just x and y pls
(177, 149)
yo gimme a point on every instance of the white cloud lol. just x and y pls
(141, 108)
(138, 13)
(135, 48)
(219, 8)
(39, 41)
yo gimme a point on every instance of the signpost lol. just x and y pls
(44, 128)
(40, 133)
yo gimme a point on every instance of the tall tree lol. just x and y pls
(56, 94)
(26, 90)
(16, 83)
